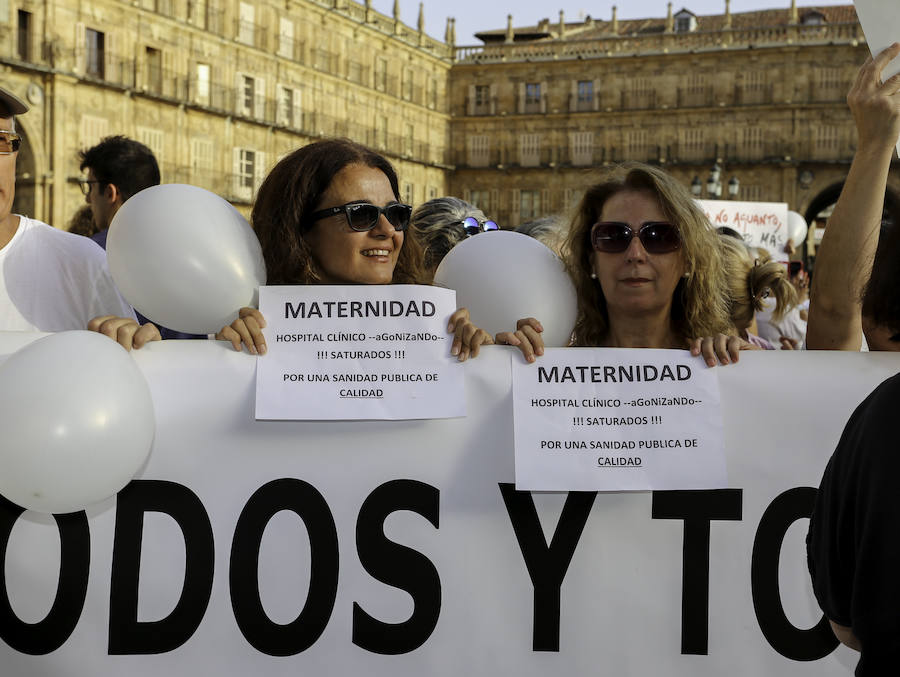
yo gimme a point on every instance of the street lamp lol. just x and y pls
(696, 187)
(714, 184)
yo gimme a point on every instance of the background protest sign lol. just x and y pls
(343, 352)
(881, 24)
(617, 419)
(762, 224)
(416, 560)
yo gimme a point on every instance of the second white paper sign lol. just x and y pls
(602, 419)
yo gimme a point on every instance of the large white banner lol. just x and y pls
(401, 547)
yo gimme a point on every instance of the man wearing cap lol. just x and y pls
(50, 280)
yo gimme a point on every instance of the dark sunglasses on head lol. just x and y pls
(473, 226)
(613, 237)
(362, 216)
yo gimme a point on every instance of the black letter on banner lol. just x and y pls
(303, 499)
(785, 638)
(398, 566)
(697, 509)
(48, 635)
(547, 566)
(128, 635)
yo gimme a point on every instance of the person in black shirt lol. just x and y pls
(853, 548)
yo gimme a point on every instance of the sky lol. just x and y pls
(473, 16)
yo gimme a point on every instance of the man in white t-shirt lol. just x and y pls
(50, 280)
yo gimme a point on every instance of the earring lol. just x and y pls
(593, 275)
(686, 275)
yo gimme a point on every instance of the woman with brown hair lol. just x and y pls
(646, 269)
(330, 213)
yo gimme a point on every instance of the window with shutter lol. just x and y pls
(153, 139)
(582, 148)
(95, 53)
(93, 129)
(246, 23)
(529, 150)
(752, 143)
(244, 173)
(479, 150)
(286, 38)
(529, 204)
(482, 104)
(532, 97)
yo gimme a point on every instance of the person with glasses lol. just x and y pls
(50, 280)
(330, 213)
(647, 272)
(442, 223)
(117, 169)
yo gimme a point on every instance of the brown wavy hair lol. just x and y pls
(750, 281)
(292, 191)
(698, 303)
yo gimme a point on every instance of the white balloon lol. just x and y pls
(796, 228)
(502, 276)
(185, 258)
(77, 421)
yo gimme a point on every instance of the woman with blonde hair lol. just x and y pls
(647, 271)
(749, 282)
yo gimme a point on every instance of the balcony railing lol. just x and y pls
(642, 100)
(658, 43)
(695, 97)
(753, 95)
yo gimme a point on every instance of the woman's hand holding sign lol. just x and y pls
(719, 349)
(467, 338)
(246, 330)
(527, 338)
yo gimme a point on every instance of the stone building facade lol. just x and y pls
(763, 94)
(218, 89)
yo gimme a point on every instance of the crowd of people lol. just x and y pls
(648, 270)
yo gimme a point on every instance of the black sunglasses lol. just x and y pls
(85, 185)
(473, 226)
(613, 237)
(362, 216)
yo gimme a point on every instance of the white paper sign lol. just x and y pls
(880, 22)
(617, 419)
(358, 352)
(762, 224)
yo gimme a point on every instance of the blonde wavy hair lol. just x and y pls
(751, 280)
(699, 306)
